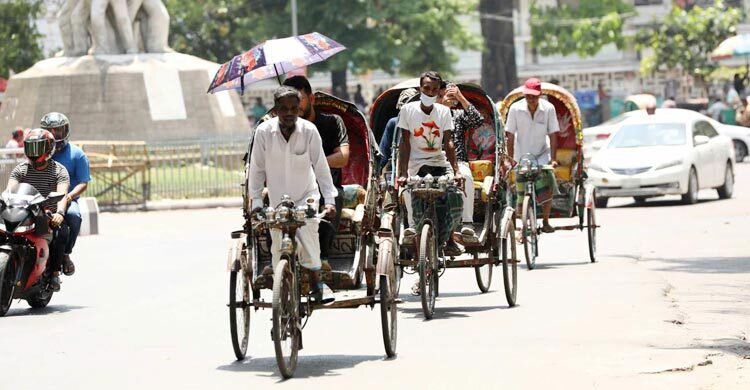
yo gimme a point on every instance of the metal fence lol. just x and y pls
(132, 173)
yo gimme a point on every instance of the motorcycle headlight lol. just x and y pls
(282, 213)
(300, 213)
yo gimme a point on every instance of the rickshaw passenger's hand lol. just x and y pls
(554, 163)
(329, 210)
(56, 220)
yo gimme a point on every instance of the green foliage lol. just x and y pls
(583, 29)
(685, 39)
(395, 36)
(19, 36)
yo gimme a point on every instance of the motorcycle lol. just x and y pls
(24, 251)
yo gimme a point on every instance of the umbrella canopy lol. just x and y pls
(736, 46)
(273, 58)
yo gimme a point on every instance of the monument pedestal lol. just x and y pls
(148, 97)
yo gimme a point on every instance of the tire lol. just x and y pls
(691, 197)
(601, 202)
(591, 231)
(726, 189)
(510, 264)
(40, 300)
(483, 274)
(740, 150)
(285, 332)
(389, 313)
(239, 313)
(531, 241)
(428, 273)
(640, 200)
(7, 287)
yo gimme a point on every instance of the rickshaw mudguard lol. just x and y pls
(506, 221)
(385, 236)
(589, 189)
(234, 256)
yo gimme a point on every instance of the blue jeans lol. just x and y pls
(73, 220)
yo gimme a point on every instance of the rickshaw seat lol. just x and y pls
(479, 170)
(566, 158)
(354, 195)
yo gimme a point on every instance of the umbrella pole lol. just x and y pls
(278, 76)
(242, 82)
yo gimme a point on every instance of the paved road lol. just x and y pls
(665, 307)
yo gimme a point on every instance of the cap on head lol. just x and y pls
(532, 86)
(283, 92)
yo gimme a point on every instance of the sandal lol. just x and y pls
(68, 267)
(548, 229)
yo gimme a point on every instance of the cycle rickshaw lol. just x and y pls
(576, 198)
(352, 254)
(490, 167)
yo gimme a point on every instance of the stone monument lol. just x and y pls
(117, 79)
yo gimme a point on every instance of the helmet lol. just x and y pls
(39, 146)
(59, 125)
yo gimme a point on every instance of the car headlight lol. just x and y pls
(669, 164)
(597, 167)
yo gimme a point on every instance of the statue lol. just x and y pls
(113, 27)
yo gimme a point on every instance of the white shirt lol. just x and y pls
(427, 132)
(289, 167)
(531, 134)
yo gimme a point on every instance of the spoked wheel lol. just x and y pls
(428, 272)
(389, 312)
(239, 312)
(286, 321)
(6, 284)
(510, 261)
(591, 230)
(530, 234)
(483, 274)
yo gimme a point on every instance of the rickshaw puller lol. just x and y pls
(288, 157)
(427, 147)
(531, 121)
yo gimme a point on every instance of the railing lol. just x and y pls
(132, 173)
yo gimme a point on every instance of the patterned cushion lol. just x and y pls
(480, 169)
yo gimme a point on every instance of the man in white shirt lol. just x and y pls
(531, 122)
(427, 148)
(287, 156)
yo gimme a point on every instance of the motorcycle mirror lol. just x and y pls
(55, 196)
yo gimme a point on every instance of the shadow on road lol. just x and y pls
(543, 265)
(407, 297)
(705, 265)
(307, 366)
(53, 309)
(443, 313)
(732, 346)
(662, 203)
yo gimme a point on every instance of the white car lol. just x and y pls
(595, 137)
(740, 136)
(673, 152)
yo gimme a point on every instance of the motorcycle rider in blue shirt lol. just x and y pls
(77, 163)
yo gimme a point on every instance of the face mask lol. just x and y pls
(427, 100)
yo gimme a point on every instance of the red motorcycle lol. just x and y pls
(24, 252)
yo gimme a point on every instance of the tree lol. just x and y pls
(499, 73)
(685, 39)
(583, 29)
(19, 35)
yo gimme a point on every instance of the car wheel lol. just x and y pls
(601, 202)
(691, 197)
(740, 150)
(726, 189)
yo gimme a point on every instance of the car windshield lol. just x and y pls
(649, 134)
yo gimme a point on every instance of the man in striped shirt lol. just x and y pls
(46, 176)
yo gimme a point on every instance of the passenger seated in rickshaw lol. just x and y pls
(427, 148)
(531, 121)
(466, 117)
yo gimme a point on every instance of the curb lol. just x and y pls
(177, 204)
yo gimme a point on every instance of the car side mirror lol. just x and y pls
(55, 196)
(700, 140)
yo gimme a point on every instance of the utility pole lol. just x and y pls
(294, 18)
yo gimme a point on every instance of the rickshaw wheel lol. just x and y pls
(530, 242)
(483, 274)
(389, 312)
(239, 313)
(591, 230)
(286, 325)
(428, 272)
(510, 265)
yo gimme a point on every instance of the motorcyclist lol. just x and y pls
(77, 163)
(46, 176)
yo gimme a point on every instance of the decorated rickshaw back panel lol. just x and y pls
(480, 142)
